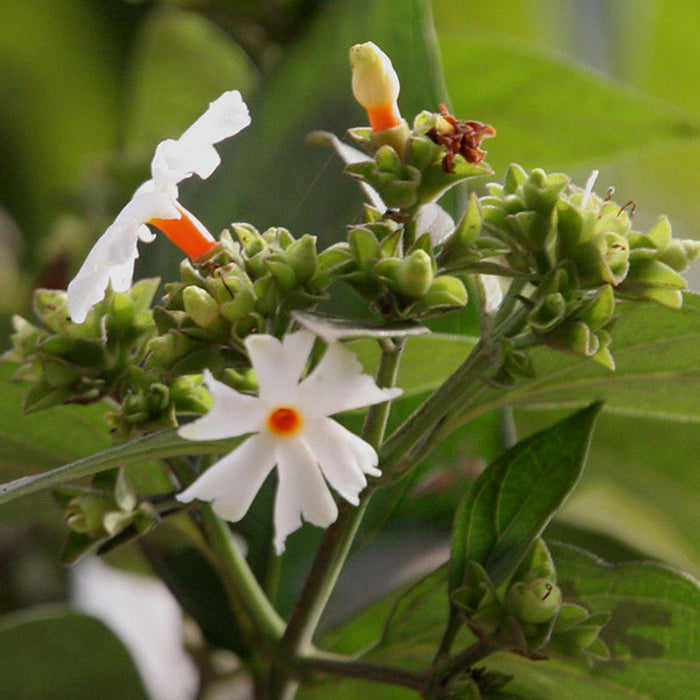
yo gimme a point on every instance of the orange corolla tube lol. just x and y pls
(187, 233)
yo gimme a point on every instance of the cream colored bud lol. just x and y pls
(374, 80)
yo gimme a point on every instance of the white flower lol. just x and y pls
(289, 419)
(112, 258)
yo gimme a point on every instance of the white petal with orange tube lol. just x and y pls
(155, 202)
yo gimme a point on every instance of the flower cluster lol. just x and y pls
(531, 617)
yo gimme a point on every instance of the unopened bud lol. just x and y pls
(375, 85)
(200, 306)
(415, 274)
(535, 602)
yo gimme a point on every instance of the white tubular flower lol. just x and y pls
(292, 430)
(112, 258)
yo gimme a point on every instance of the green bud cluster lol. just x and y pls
(579, 253)
(409, 171)
(149, 404)
(107, 509)
(70, 363)
(531, 618)
(402, 281)
(249, 285)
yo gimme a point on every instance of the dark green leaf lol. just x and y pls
(641, 486)
(57, 653)
(517, 495)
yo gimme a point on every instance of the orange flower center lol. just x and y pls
(284, 421)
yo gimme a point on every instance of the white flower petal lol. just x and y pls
(301, 490)
(344, 457)
(113, 255)
(278, 365)
(337, 384)
(492, 292)
(231, 483)
(233, 414)
(434, 220)
(194, 152)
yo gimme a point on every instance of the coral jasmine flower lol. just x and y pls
(375, 85)
(289, 419)
(155, 202)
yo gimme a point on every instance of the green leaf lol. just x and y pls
(56, 653)
(165, 443)
(641, 486)
(426, 360)
(556, 100)
(652, 634)
(512, 501)
(29, 443)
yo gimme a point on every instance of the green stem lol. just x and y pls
(335, 545)
(444, 668)
(423, 428)
(243, 587)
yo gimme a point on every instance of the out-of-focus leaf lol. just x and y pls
(171, 88)
(641, 485)
(44, 440)
(425, 360)
(269, 176)
(57, 653)
(49, 137)
(652, 635)
(517, 495)
(539, 102)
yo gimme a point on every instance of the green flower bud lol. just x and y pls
(51, 308)
(364, 246)
(414, 276)
(284, 275)
(535, 602)
(301, 256)
(241, 304)
(200, 306)
(85, 514)
(548, 312)
(445, 291)
(189, 395)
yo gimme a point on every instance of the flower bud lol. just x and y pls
(302, 258)
(200, 306)
(445, 291)
(414, 275)
(85, 514)
(375, 85)
(535, 602)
